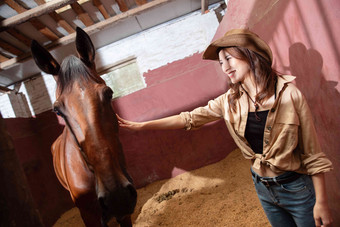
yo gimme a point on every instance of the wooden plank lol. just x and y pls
(19, 36)
(43, 29)
(10, 48)
(3, 58)
(61, 22)
(14, 5)
(26, 15)
(57, 18)
(90, 30)
(141, 2)
(82, 15)
(101, 8)
(122, 5)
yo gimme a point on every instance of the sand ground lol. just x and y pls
(221, 194)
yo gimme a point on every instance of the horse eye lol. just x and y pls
(107, 93)
(56, 109)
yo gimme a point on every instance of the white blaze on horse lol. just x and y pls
(88, 157)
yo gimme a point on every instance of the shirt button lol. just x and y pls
(272, 110)
(264, 155)
(266, 142)
(269, 128)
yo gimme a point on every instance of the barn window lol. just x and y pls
(123, 78)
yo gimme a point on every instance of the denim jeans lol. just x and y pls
(288, 204)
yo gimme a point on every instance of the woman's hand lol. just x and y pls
(135, 126)
(322, 215)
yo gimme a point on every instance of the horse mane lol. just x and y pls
(74, 70)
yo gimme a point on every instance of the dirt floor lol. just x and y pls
(221, 194)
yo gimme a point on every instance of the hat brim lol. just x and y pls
(248, 41)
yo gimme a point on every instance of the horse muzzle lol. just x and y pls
(118, 203)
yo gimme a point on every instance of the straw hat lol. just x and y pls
(242, 38)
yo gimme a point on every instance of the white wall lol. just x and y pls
(153, 48)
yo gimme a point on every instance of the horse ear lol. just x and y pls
(44, 59)
(85, 47)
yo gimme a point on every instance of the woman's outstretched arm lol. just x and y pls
(172, 122)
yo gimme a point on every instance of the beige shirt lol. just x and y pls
(290, 141)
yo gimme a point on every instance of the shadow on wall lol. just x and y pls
(306, 65)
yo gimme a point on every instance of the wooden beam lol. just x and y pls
(61, 22)
(82, 15)
(26, 15)
(43, 29)
(14, 5)
(204, 6)
(122, 5)
(141, 2)
(19, 36)
(35, 22)
(3, 58)
(57, 18)
(101, 8)
(89, 30)
(10, 48)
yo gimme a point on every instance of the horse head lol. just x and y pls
(84, 102)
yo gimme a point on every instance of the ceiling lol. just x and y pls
(52, 23)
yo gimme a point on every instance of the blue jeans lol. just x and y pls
(288, 204)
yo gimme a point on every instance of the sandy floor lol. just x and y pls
(221, 194)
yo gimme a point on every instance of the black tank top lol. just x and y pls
(255, 130)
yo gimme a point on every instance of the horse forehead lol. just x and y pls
(85, 90)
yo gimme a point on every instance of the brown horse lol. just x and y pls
(88, 158)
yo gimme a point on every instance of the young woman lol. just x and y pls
(271, 123)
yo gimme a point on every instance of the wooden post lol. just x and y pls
(204, 6)
(16, 201)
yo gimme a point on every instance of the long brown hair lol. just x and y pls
(265, 75)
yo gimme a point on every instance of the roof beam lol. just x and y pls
(122, 5)
(101, 8)
(26, 15)
(89, 30)
(141, 2)
(10, 48)
(82, 15)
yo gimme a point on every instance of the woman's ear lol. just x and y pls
(44, 59)
(85, 47)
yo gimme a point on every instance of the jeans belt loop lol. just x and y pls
(258, 178)
(265, 182)
(274, 179)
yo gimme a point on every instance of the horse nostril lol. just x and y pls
(132, 190)
(102, 204)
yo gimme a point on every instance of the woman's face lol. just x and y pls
(237, 70)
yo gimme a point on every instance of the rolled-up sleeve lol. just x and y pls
(202, 115)
(313, 159)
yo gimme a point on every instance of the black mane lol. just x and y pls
(72, 70)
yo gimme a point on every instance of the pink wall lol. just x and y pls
(304, 38)
(179, 86)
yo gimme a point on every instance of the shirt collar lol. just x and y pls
(284, 79)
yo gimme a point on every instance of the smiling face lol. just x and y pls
(238, 70)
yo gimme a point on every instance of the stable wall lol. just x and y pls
(303, 35)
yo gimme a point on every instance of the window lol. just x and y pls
(123, 78)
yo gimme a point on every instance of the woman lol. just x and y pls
(271, 123)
